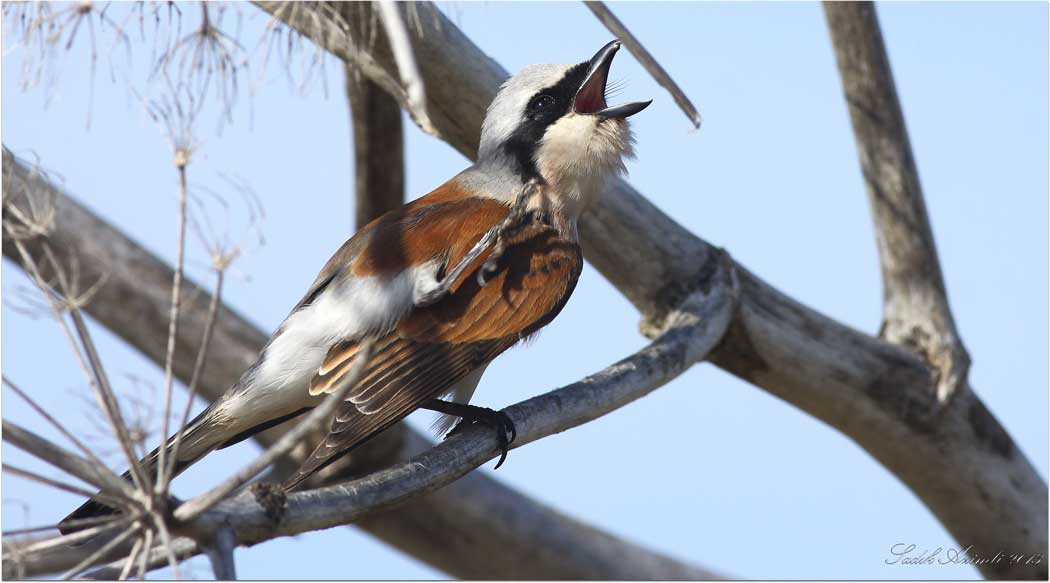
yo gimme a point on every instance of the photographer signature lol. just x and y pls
(910, 554)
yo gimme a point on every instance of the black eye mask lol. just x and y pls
(542, 110)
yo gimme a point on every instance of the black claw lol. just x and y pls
(506, 433)
(504, 428)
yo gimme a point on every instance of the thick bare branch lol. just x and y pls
(221, 555)
(618, 28)
(379, 159)
(915, 313)
(962, 464)
(530, 540)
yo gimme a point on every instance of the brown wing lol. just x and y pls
(436, 346)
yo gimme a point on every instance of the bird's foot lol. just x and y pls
(498, 420)
(472, 415)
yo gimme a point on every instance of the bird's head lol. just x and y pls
(552, 122)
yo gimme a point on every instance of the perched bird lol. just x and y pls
(548, 134)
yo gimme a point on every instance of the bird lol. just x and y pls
(434, 313)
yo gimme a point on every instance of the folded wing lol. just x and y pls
(436, 346)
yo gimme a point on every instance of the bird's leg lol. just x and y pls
(470, 415)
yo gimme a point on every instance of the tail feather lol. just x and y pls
(197, 441)
(93, 508)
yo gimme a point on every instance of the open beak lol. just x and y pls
(590, 97)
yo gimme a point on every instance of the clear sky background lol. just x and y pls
(708, 468)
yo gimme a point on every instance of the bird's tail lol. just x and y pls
(190, 451)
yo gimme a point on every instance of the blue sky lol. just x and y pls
(708, 469)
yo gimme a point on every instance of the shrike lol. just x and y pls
(548, 127)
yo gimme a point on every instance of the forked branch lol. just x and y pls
(915, 313)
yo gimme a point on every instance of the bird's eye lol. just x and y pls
(541, 103)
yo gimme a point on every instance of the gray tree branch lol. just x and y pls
(379, 160)
(618, 28)
(961, 463)
(915, 313)
(528, 540)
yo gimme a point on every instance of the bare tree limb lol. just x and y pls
(963, 465)
(379, 159)
(691, 333)
(915, 314)
(620, 30)
(221, 555)
(530, 540)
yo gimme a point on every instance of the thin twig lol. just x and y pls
(493, 238)
(70, 540)
(91, 366)
(119, 426)
(101, 552)
(512, 221)
(147, 547)
(92, 521)
(70, 463)
(106, 394)
(54, 423)
(645, 58)
(102, 497)
(406, 64)
(130, 561)
(166, 541)
(163, 474)
(198, 368)
(285, 444)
